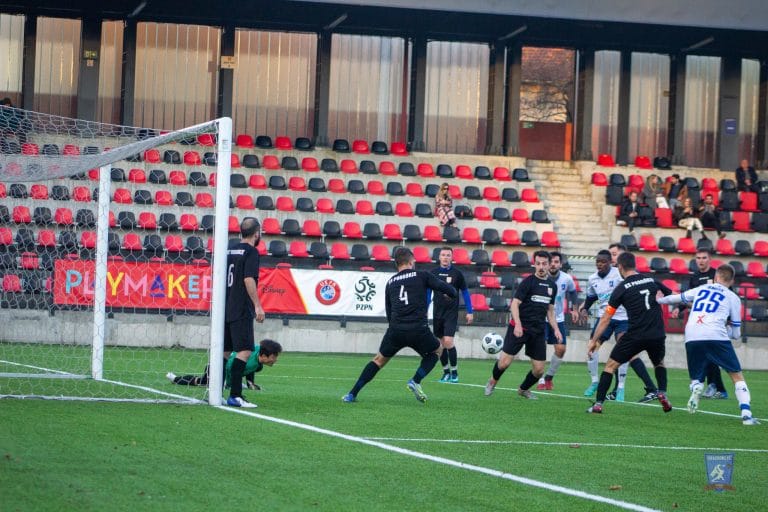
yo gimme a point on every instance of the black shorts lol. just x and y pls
(419, 339)
(444, 326)
(535, 346)
(238, 336)
(628, 347)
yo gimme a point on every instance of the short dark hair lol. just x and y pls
(726, 272)
(445, 248)
(249, 227)
(603, 253)
(542, 254)
(6, 101)
(626, 260)
(402, 255)
(269, 347)
(556, 254)
(618, 246)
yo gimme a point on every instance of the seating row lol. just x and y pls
(647, 242)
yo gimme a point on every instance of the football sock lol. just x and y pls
(638, 365)
(444, 360)
(497, 372)
(187, 380)
(622, 376)
(427, 363)
(592, 364)
(236, 380)
(368, 373)
(602, 388)
(554, 364)
(661, 377)
(742, 395)
(528, 381)
(453, 357)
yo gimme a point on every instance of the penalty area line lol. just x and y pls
(572, 444)
(448, 462)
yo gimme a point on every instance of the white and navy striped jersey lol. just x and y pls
(711, 306)
(602, 288)
(564, 283)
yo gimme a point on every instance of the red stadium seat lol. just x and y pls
(455, 192)
(464, 172)
(6, 238)
(599, 179)
(348, 166)
(749, 201)
(298, 249)
(352, 230)
(3, 192)
(206, 139)
(137, 176)
(461, 256)
(724, 247)
(122, 196)
(46, 238)
(482, 213)
(233, 224)
(297, 183)
(192, 158)
(761, 248)
(284, 143)
(271, 226)
(337, 186)
(70, 150)
(414, 190)
(364, 207)
(81, 194)
(425, 170)
(244, 141)
(257, 182)
(38, 191)
(360, 147)
(270, 162)
(605, 160)
(549, 239)
(490, 280)
(403, 210)
(421, 254)
(502, 174)
(479, 302)
(664, 218)
(510, 237)
(471, 235)
(63, 217)
(311, 228)
(392, 232)
(741, 222)
(686, 246)
(152, 156)
(177, 178)
(309, 164)
(715, 263)
(21, 215)
(500, 258)
(376, 188)
(204, 200)
(88, 239)
(491, 194)
(643, 162)
(641, 263)
(29, 148)
(173, 243)
(398, 148)
(529, 195)
(132, 242)
(339, 251)
(380, 253)
(387, 168)
(244, 202)
(636, 181)
(648, 243)
(188, 222)
(325, 205)
(285, 204)
(234, 161)
(11, 283)
(678, 266)
(748, 291)
(432, 234)
(756, 269)
(709, 186)
(520, 215)
(29, 261)
(671, 284)
(147, 220)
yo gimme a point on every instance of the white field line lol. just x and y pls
(448, 462)
(573, 444)
(49, 370)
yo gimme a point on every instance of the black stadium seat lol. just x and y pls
(510, 194)
(423, 210)
(630, 242)
(329, 165)
(472, 192)
(372, 231)
(444, 171)
(237, 180)
(264, 142)
(332, 229)
(379, 148)
(483, 173)
(345, 206)
(431, 190)
(171, 156)
(158, 177)
(395, 188)
(406, 169)
(290, 163)
(303, 144)
(251, 162)
(341, 146)
(305, 204)
(384, 208)
(316, 185)
(356, 187)
(491, 236)
(265, 203)
(368, 167)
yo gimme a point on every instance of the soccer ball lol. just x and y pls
(492, 343)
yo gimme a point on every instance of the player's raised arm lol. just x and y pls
(684, 298)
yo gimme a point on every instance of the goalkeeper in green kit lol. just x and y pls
(264, 354)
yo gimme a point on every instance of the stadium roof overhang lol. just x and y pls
(709, 27)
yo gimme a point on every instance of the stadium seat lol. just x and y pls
(188, 222)
(529, 195)
(406, 169)
(641, 264)
(392, 232)
(277, 249)
(521, 174)
(678, 266)
(291, 227)
(432, 234)
(46, 239)
(648, 243)
(472, 192)
(345, 206)
(329, 165)
(380, 253)
(41, 215)
(264, 142)
(173, 244)
(491, 194)
(748, 201)
(741, 222)
(319, 250)
(379, 148)
(81, 194)
(549, 239)
(743, 248)
(298, 249)
(38, 191)
(539, 216)
(360, 147)
(444, 171)
(756, 269)
(245, 202)
(63, 217)
(387, 168)
(309, 164)
(520, 215)
(285, 204)
(425, 170)
(482, 213)
(167, 221)
(530, 238)
(464, 172)
(21, 215)
(142, 196)
(325, 205)
(659, 265)
(630, 242)
(244, 141)
(403, 209)
(349, 166)
(311, 228)
(270, 162)
(147, 220)
(483, 173)
(297, 184)
(502, 174)
(414, 190)
(283, 143)
(490, 279)
(277, 183)
(352, 230)
(599, 179)
(479, 302)
(398, 148)
(500, 258)
(372, 231)
(724, 247)
(339, 251)
(760, 222)
(364, 207)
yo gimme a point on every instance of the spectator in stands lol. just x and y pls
(653, 193)
(444, 207)
(709, 214)
(675, 191)
(12, 121)
(629, 215)
(685, 216)
(746, 178)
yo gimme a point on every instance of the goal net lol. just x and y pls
(110, 268)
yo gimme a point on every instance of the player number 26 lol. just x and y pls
(708, 301)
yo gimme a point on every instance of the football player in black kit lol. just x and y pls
(446, 313)
(405, 298)
(637, 293)
(532, 306)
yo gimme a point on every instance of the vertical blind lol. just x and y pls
(11, 56)
(649, 105)
(57, 60)
(110, 72)
(702, 103)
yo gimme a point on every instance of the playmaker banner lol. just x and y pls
(136, 285)
(188, 287)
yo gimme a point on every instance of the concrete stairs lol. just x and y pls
(577, 219)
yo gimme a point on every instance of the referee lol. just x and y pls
(446, 313)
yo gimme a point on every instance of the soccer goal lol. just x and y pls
(112, 258)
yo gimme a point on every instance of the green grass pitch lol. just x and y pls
(71, 455)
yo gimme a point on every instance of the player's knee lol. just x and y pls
(560, 350)
(447, 342)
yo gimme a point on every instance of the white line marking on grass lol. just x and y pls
(574, 444)
(448, 462)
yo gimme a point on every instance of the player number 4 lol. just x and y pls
(403, 295)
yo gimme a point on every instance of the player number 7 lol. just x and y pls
(646, 294)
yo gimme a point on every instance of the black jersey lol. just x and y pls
(637, 294)
(448, 307)
(406, 297)
(535, 296)
(700, 278)
(242, 262)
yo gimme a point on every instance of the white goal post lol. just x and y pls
(46, 332)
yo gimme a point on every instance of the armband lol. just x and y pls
(609, 310)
